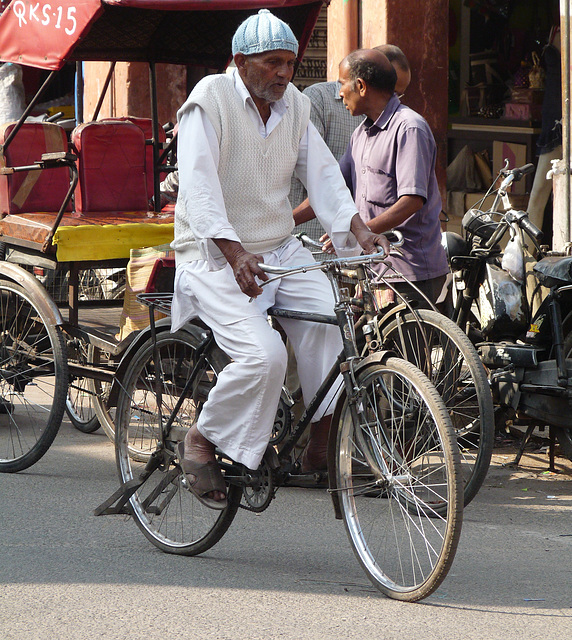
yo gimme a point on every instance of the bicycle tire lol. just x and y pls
(458, 374)
(564, 435)
(100, 392)
(397, 459)
(80, 407)
(166, 512)
(33, 379)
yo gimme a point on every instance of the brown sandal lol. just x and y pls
(202, 478)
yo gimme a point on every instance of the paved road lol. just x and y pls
(288, 573)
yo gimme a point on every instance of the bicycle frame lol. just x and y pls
(346, 362)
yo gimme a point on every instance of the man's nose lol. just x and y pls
(285, 70)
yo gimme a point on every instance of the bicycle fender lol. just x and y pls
(392, 314)
(15, 273)
(162, 325)
(378, 357)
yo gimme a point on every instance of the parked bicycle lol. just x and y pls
(393, 459)
(516, 305)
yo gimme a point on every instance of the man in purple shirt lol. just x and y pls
(389, 166)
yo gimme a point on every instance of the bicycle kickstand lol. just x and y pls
(116, 503)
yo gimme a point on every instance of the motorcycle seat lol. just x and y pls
(554, 271)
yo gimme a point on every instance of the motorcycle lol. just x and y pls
(516, 306)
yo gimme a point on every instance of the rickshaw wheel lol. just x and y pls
(80, 401)
(100, 391)
(33, 378)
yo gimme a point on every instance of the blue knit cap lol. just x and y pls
(263, 32)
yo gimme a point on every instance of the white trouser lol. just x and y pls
(240, 411)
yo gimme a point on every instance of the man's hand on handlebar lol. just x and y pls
(244, 266)
(367, 239)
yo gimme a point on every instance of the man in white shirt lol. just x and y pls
(241, 136)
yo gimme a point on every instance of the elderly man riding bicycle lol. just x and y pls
(241, 136)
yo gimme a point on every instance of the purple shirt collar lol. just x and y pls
(384, 117)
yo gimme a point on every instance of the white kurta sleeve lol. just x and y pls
(329, 196)
(200, 195)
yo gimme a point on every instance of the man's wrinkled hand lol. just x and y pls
(367, 239)
(245, 268)
(370, 242)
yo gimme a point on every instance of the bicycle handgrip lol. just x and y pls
(526, 225)
(395, 237)
(519, 172)
(307, 241)
(54, 117)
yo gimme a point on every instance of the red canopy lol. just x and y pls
(48, 33)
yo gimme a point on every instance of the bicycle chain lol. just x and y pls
(261, 492)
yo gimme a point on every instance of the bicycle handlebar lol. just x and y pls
(523, 221)
(342, 263)
(366, 258)
(394, 236)
(518, 172)
(514, 175)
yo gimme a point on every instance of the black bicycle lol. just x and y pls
(394, 463)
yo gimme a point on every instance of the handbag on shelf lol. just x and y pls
(536, 74)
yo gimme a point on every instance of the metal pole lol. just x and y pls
(104, 91)
(79, 93)
(565, 37)
(156, 143)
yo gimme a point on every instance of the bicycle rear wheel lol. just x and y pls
(167, 513)
(398, 479)
(33, 379)
(437, 346)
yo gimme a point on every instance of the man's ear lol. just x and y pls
(239, 60)
(361, 87)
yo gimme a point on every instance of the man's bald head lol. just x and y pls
(373, 68)
(399, 60)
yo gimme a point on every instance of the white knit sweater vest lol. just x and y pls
(254, 172)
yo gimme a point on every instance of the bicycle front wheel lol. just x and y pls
(398, 479)
(33, 379)
(437, 346)
(167, 513)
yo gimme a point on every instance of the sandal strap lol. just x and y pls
(208, 476)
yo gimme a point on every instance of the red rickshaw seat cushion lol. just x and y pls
(111, 167)
(39, 190)
(146, 124)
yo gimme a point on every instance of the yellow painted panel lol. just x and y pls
(107, 242)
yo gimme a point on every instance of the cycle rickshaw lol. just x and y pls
(84, 203)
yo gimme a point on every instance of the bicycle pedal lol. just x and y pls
(317, 479)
